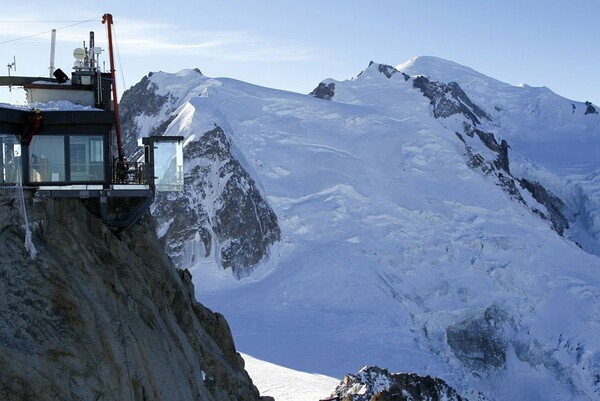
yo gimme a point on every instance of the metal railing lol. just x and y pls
(124, 173)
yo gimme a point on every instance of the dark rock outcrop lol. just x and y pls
(387, 70)
(557, 210)
(489, 140)
(324, 91)
(221, 205)
(372, 383)
(449, 99)
(479, 341)
(497, 167)
(101, 317)
(590, 109)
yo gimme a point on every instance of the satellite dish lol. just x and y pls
(79, 53)
(78, 64)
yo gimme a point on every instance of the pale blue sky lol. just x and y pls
(294, 45)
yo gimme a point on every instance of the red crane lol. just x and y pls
(108, 20)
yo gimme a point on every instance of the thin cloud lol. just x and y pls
(231, 50)
(139, 38)
(225, 45)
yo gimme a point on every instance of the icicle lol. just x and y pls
(28, 241)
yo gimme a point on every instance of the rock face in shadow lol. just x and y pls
(479, 341)
(373, 383)
(590, 109)
(102, 317)
(324, 91)
(386, 70)
(221, 210)
(557, 211)
(140, 99)
(449, 99)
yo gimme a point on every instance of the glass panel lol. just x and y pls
(87, 158)
(47, 159)
(10, 160)
(168, 166)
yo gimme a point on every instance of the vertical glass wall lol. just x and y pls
(86, 158)
(168, 166)
(47, 159)
(10, 160)
(66, 159)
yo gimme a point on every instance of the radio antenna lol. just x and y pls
(12, 65)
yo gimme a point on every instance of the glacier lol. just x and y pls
(395, 249)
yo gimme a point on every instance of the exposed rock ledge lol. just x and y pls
(373, 383)
(100, 318)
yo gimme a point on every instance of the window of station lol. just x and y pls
(47, 159)
(86, 158)
(10, 160)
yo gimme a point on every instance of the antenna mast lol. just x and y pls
(11, 65)
(52, 52)
(107, 19)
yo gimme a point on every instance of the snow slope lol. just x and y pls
(286, 384)
(391, 244)
(552, 139)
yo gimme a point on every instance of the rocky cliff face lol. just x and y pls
(449, 99)
(221, 212)
(221, 208)
(102, 317)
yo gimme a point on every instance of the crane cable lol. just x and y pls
(119, 57)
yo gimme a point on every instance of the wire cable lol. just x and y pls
(119, 58)
(45, 32)
(36, 21)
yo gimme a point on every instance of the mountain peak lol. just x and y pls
(436, 68)
(384, 69)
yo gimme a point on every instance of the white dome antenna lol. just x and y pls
(79, 53)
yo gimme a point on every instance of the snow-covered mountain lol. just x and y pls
(424, 218)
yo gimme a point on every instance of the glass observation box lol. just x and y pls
(165, 158)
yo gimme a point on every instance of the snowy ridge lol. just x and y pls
(521, 103)
(393, 249)
(374, 383)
